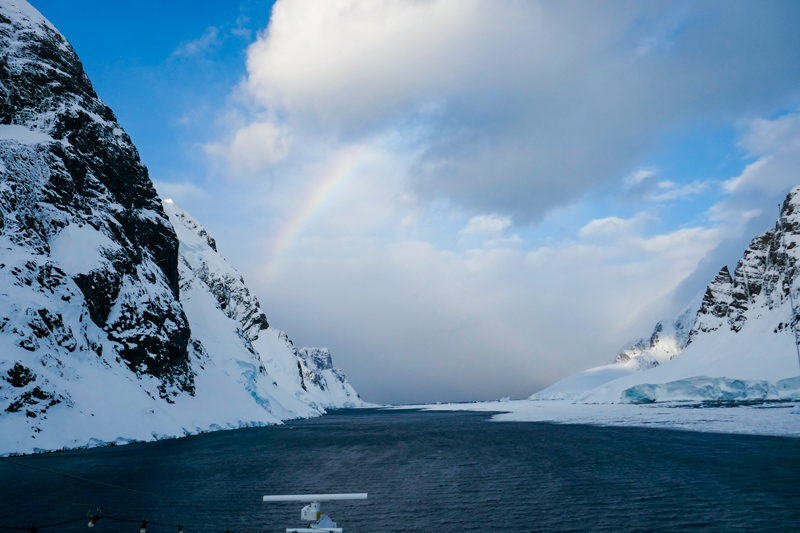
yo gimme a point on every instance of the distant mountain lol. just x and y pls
(324, 382)
(112, 326)
(734, 342)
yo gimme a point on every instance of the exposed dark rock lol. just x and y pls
(716, 304)
(88, 174)
(19, 375)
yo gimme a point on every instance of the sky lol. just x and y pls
(461, 199)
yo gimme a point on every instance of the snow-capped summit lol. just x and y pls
(112, 327)
(713, 312)
(737, 342)
(89, 258)
(324, 381)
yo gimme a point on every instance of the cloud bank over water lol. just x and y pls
(463, 198)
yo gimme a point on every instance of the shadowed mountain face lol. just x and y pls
(72, 179)
(113, 327)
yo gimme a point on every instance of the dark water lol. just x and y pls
(425, 472)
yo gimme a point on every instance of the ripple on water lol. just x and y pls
(429, 472)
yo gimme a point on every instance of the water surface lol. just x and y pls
(424, 472)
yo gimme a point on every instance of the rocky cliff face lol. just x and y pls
(325, 381)
(760, 284)
(713, 312)
(199, 254)
(267, 358)
(81, 223)
(762, 280)
(109, 326)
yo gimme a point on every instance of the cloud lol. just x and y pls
(668, 190)
(534, 102)
(410, 321)
(639, 176)
(412, 315)
(615, 226)
(486, 225)
(241, 30)
(645, 184)
(776, 146)
(252, 149)
(209, 40)
(479, 119)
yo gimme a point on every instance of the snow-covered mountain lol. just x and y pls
(324, 382)
(734, 342)
(227, 319)
(112, 326)
(668, 339)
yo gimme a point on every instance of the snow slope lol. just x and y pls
(112, 326)
(737, 344)
(668, 339)
(227, 320)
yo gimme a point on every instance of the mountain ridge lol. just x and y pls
(119, 321)
(735, 341)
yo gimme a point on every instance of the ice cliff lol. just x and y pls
(113, 327)
(734, 342)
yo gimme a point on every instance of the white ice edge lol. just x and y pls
(776, 419)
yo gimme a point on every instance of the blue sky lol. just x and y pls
(462, 199)
(137, 58)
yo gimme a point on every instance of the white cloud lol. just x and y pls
(253, 149)
(201, 45)
(671, 191)
(536, 102)
(486, 225)
(412, 316)
(776, 146)
(470, 107)
(645, 184)
(638, 176)
(240, 30)
(615, 227)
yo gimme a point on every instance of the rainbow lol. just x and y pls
(340, 170)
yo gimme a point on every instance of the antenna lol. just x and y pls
(791, 296)
(312, 513)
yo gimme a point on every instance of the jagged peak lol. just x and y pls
(715, 306)
(320, 357)
(199, 252)
(722, 279)
(24, 15)
(189, 222)
(791, 202)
